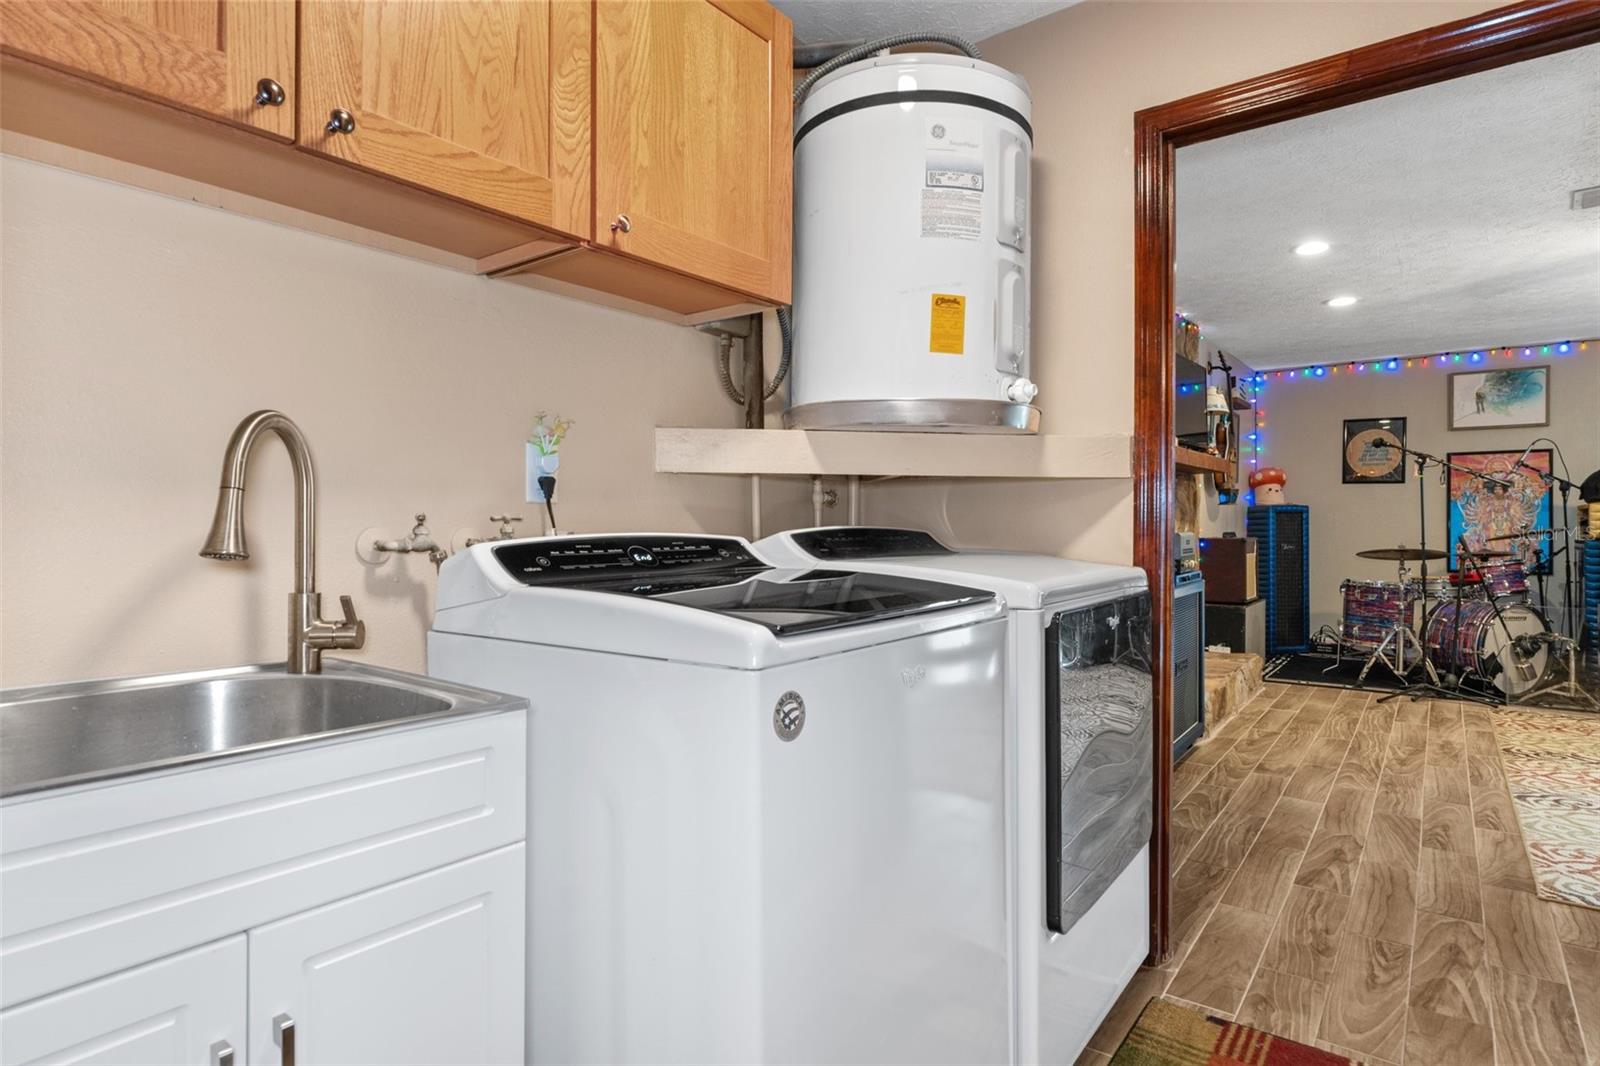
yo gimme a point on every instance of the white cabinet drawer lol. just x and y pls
(168, 1013)
(95, 880)
(427, 972)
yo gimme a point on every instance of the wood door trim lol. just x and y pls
(1493, 38)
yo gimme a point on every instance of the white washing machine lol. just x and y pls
(767, 807)
(1079, 737)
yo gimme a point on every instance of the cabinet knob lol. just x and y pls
(623, 224)
(340, 121)
(269, 93)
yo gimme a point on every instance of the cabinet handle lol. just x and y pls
(269, 93)
(623, 223)
(283, 1036)
(222, 1053)
(340, 121)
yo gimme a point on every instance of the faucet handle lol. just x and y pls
(507, 524)
(348, 606)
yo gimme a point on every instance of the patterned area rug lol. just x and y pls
(1552, 764)
(1167, 1034)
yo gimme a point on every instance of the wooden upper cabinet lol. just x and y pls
(693, 131)
(486, 101)
(206, 56)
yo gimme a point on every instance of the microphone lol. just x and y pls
(1523, 458)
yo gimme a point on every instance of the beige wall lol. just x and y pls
(1090, 67)
(137, 330)
(1305, 424)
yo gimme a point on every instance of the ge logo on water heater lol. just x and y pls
(936, 131)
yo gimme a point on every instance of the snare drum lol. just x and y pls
(1371, 610)
(1482, 645)
(1506, 580)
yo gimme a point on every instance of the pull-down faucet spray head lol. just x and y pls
(226, 539)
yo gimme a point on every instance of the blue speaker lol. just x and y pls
(1283, 573)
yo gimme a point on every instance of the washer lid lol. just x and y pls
(716, 602)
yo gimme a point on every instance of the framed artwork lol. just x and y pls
(1497, 399)
(1481, 510)
(1365, 459)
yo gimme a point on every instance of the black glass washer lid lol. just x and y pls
(788, 603)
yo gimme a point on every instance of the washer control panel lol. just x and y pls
(571, 560)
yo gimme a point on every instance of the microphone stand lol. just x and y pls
(1568, 618)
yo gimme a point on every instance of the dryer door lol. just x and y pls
(1098, 720)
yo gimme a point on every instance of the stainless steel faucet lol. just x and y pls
(309, 634)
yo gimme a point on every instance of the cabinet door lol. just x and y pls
(181, 1011)
(483, 100)
(427, 970)
(202, 55)
(693, 138)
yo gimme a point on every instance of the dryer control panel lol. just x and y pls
(573, 560)
(866, 542)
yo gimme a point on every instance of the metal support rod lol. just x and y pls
(854, 490)
(755, 375)
(755, 506)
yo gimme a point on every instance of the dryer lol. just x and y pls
(767, 806)
(1079, 748)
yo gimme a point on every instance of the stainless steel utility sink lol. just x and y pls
(53, 735)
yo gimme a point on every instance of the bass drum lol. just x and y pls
(1484, 646)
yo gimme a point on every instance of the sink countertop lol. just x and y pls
(54, 736)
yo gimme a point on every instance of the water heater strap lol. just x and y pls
(937, 96)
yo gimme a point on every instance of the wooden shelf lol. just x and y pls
(1194, 462)
(838, 453)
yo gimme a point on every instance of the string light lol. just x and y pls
(1394, 364)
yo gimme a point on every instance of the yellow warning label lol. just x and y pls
(947, 324)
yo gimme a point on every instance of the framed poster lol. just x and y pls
(1371, 454)
(1480, 510)
(1496, 399)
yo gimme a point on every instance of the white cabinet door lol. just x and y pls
(184, 1010)
(427, 970)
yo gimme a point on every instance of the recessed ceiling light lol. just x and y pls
(1311, 248)
(1341, 301)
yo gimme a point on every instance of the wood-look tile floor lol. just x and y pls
(1349, 874)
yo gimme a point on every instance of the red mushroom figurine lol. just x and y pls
(1268, 484)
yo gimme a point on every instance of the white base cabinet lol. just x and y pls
(427, 972)
(185, 1010)
(369, 891)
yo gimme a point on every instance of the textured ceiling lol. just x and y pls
(1447, 208)
(838, 21)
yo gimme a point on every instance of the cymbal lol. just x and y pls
(1532, 534)
(1395, 555)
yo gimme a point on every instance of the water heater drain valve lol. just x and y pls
(1022, 391)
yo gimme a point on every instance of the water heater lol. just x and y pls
(912, 248)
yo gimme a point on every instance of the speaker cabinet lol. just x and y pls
(1283, 573)
(1229, 564)
(1188, 662)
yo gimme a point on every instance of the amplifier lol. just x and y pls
(1229, 564)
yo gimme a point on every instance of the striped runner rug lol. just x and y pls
(1169, 1034)
(1552, 765)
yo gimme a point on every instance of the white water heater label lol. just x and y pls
(952, 187)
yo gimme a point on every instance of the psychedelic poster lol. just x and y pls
(1480, 510)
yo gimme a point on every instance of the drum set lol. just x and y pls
(1475, 634)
